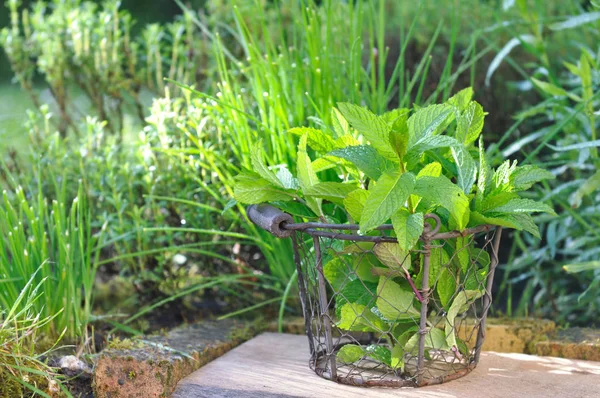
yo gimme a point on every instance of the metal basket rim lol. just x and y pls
(325, 230)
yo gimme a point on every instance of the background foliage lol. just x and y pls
(138, 170)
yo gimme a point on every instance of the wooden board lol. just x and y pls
(276, 365)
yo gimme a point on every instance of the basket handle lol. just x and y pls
(271, 219)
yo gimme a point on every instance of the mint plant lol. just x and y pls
(397, 168)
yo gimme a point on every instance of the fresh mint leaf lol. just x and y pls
(337, 272)
(393, 256)
(356, 291)
(501, 177)
(350, 353)
(394, 303)
(399, 133)
(318, 140)
(295, 208)
(462, 99)
(466, 168)
(397, 359)
(495, 200)
(354, 203)
(524, 206)
(307, 176)
(385, 198)
(374, 128)
(434, 339)
(429, 121)
(333, 191)
(359, 318)
(250, 189)
(260, 167)
(287, 180)
(525, 176)
(446, 286)
(408, 228)
(441, 191)
(461, 303)
(380, 353)
(366, 159)
(340, 124)
(484, 172)
(416, 151)
(470, 124)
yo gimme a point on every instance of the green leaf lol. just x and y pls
(434, 339)
(337, 272)
(318, 140)
(446, 286)
(307, 176)
(333, 191)
(251, 189)
(288, 181)
(460, 253)
(399, 133)
(462, 99)
(259, 166)
(350, 353)
(380, 353)
(340, 124)
(520, 221)
(575, 21)
(429, 121)
(397, 361)
(295, 208)
(416, 151)
(524, 206)
(501, 177)
(408, 228)
(359, 318)
(581, 145)
(553, 90)
(461, 303)
(495, 200)
(582, 267)
(525, 176)
(354, 203)
(441, 191)
(587, 188)
(438, 261)
(357, 292)
(385, 198)
(466, 167)
(394, 303)
(374, 128)
(432, 170)
(484, 172)
(391, 255)
(363, 266)
(470, 124)
(476, 275)
(327, 162)
(366, 159)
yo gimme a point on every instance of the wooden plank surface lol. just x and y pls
(276, 365)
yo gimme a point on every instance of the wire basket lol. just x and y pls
(378, 316)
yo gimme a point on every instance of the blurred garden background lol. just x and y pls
(123, 124)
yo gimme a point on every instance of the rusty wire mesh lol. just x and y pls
(428, 362)
(350, 297)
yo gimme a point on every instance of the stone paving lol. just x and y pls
(275, 365)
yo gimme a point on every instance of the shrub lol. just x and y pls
(399, 167)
